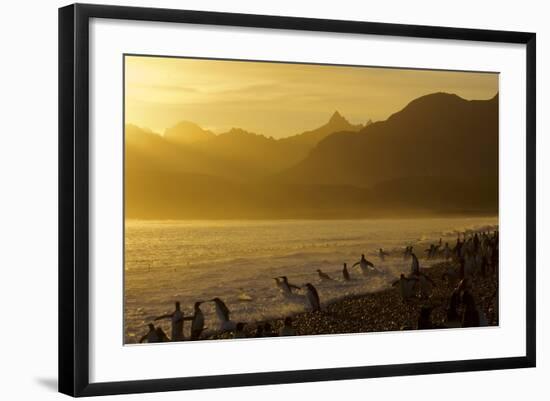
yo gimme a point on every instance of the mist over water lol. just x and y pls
(188, 261)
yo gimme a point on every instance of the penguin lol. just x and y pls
(345, 273)
(470, 315)
(197, 324)
(364, 264)
(323, 276)
(451, 275)
(151, 336)
(382, 255)
(426, 285)
(222, 311)
(313, 297)
(469, 264)
(268, 331)
(408, 252)
(447, 253)
(283, 284)
(425, 318)
(287, 329)
(177, 319)
(239, 330)
(259, 331)
(161, 335)
(457, 250)
(430, 251)
(453, 319)
(406, 286)
(415, 266)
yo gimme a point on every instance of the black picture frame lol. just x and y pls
(74, 198)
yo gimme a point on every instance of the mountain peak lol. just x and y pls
(337, 118)
(187, 132)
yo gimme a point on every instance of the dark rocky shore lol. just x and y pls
(385, 310)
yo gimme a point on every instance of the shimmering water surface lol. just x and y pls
(188, 261)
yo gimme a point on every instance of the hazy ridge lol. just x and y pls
(439, 155)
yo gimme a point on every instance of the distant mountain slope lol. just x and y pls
(237, 154)
(186, 132)
(267, 155)
(438, 135)
(337, 123)
(437, 156)
(147, 152)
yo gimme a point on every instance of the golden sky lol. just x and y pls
(278, 99)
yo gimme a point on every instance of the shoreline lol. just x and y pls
(384, 310)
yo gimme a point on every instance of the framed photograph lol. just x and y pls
(250, 199)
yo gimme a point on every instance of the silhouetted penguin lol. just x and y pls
(283, 284)
(425, 318)
(268, 331)
(406, 286)
(161, 335)
(313, 297)
(323, 276)
(447, 253)
(470, 315)
(259, 331)
(287, 329)
(364, 264)
(426, 285)
(345, 273)
(239, 331)
(381, 254)
(151, 336)
(222, 311)
(177, 322)
(408, 252)
(453, 319)
(430, 251)
(415, 266)
(197, 324)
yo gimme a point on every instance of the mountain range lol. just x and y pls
(438, 155)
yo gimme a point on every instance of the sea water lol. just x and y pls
(188, 261)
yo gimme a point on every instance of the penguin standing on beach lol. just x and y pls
(364, 264)
(426, 285)
(408, 252)
(470, 315)
(239, 330)
(345, 273)
(453, 318)
(425, 318)
(163, 338)
(415, 266)
(382, 254)
(447, 252)
(151, 336)
(313, 297)
(287, 329)
(177, 322)
(406, 286)
(222, 311)
(197, 322)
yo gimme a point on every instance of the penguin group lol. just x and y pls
(416, 285)
(474, 255)
(226, 325)
(473, 258)
(308, 291)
